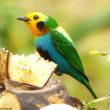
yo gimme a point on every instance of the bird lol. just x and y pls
(53, 43)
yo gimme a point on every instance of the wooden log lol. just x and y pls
(28, 88)
(31, 70)
(53, 93)
(3, 66)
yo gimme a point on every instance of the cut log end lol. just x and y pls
(27, 83)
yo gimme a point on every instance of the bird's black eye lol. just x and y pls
(35, 17)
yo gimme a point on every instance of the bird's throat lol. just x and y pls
(37, 33)
(41, 39)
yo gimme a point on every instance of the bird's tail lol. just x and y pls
(91, 90)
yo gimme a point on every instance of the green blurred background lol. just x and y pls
(87, 22)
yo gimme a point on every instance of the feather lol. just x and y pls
(66, 47)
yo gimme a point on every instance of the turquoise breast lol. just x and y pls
(47, 49)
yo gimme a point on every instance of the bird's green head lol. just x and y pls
(39, 23)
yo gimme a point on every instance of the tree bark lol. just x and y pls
(20, 95)
(53, 93)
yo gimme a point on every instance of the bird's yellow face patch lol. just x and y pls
(37, 23)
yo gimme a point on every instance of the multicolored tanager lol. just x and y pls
(53, 43)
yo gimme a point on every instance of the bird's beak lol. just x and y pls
(23, 18)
